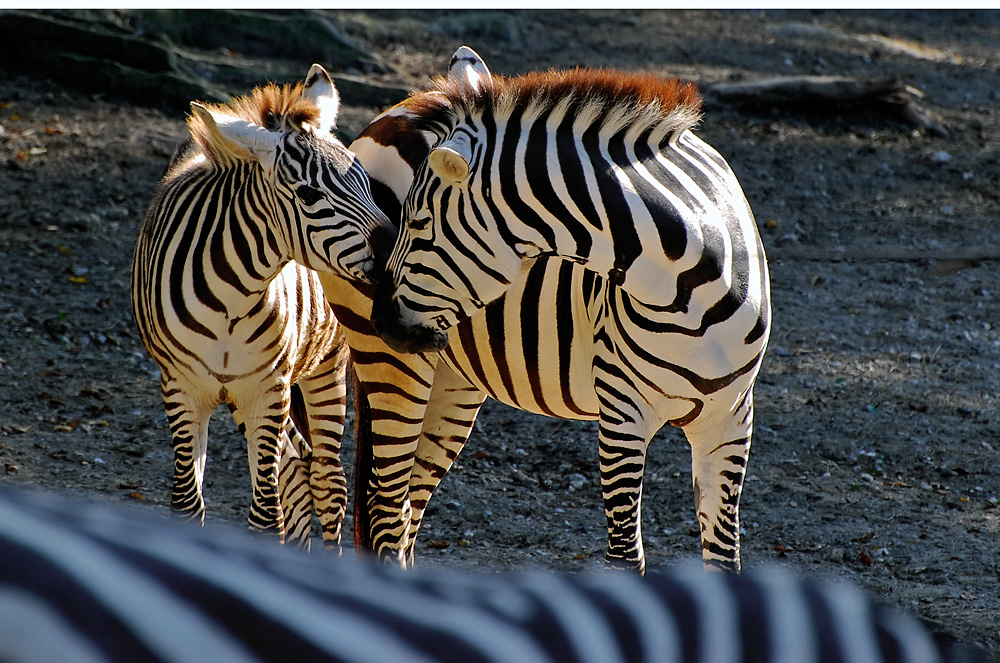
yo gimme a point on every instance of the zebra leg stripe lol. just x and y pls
(294, 490)
(622, 460)
(265, 425)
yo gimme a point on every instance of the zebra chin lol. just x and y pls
(399, 337)
(409, 340)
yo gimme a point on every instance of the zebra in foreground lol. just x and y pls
(228, 306)
(669, 317)
(81, 583)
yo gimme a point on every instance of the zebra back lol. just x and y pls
(87, 583)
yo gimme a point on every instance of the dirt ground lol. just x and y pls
(877, 442)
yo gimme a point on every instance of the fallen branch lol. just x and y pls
(889, 94)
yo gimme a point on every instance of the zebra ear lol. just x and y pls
(468, 67)
(320, 89)
(231, 136)
(450, 160)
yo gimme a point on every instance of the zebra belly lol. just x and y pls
(534, 348)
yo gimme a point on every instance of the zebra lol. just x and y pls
(83, 583)
(228, 304)
(661, 313)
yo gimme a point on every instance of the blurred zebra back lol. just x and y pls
(86, 583)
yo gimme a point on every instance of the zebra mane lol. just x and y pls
(615, 99)
(276, 108)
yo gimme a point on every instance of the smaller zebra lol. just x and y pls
(228, 305)
(81, 583)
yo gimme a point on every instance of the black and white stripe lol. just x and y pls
(85, 584)
(654, 309)
(227, 306)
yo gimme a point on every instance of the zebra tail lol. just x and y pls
(363, 461)
(297, 413)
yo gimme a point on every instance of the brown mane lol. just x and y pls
(276, 108)
(609, 92)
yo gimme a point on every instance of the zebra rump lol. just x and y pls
(228, 302)
(85, 583)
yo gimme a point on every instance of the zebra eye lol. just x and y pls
(308, 194)
(419, 224)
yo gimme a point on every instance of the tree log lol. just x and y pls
(889, 95)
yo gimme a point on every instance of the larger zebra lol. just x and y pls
(667, 316)
(227, 308)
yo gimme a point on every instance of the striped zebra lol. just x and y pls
(652, 304)
(81, 583)
(414, 413)
(228, 306)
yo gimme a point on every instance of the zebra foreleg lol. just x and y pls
(188, 417)
(448, 420)
(293, 480)
(720, 448)
(325, 394)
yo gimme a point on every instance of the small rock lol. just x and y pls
(520, 477)
(576, 481)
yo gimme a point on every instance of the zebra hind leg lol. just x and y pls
(324, 395)
(623, 460)
(719, 453)
(188, 417)
(294, 479)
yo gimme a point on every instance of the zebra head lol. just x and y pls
(393, 145)
(400, 151)
(314, 194)
(455, 252)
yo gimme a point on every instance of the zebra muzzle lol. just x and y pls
(388, 322)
